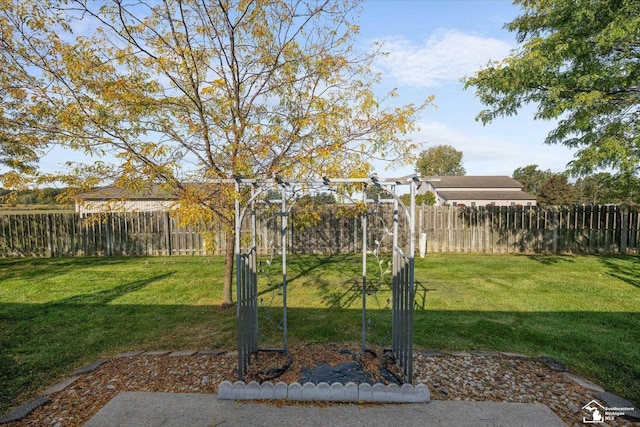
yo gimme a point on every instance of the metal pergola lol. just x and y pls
(247, 265)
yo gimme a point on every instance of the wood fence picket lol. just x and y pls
(575, 229)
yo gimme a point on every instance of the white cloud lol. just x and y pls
(444, 57)
(485, 155)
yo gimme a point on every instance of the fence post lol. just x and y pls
(108, 233)
(554, 229)
(167, 232)
(624, 230)
(81, 231)
(50, 235)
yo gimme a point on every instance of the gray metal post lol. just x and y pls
(364, 273)
(254, 269)
(395, 292)
(412, 256)
(284, 264)
(412, 219)
(239, 281)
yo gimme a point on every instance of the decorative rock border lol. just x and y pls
(90, 367)
(24, 410)
(336, 392)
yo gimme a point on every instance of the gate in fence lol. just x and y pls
(254, 191)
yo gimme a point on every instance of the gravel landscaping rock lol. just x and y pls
(448, 377)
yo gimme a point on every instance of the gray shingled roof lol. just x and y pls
(473, 182)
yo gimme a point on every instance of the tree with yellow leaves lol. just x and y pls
(183, 92)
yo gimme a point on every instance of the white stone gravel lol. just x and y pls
(505, 379)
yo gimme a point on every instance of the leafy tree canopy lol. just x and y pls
(426, 199)
(42, 196)
(579, 61)
(531, 178)
(557, 191)
(595, 189)
(605, 188)
(186, 90)
(440, 160)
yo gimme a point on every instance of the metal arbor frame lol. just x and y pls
(403, 265)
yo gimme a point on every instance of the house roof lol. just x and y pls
(486, 195)
(472, 182)
(153, 192)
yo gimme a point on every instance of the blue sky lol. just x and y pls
(431, 45)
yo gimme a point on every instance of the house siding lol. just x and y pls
(114, 199)
(97, 206)
(477, 191)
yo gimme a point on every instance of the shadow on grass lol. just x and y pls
(306, 265)
(42, 342)
(551, 259)
(351, 293)
(108, 295)
(623, 267)
(56, 338)
(300, 266)
(35, 268)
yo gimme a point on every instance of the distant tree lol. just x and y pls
(49, 195)
(595, 189)
(374, 192)
(42, 196)
(604, 188)
(531, 178)
(556, 191)
(440, 160)
(427, 199)
(325, 198)
(272, 195)
(625, 188)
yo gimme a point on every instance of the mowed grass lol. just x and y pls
(59, 314)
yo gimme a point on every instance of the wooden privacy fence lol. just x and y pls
(579, 229)
(56, 235)
(575, 229)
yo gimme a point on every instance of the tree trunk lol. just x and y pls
(227, 291)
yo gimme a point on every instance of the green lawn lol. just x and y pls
(59, 314)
